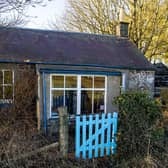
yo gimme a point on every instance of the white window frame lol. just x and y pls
(79, 89)
(3, 100)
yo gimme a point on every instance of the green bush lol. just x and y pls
(164, 95)
(139, 116)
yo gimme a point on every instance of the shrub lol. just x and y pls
(139, 116)
(164, 96)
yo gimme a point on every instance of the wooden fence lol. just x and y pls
(96, 135)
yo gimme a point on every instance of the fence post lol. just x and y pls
(115, 118)
(63, 131)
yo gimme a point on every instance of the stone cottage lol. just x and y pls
(81, 71)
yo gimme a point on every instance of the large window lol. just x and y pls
(82, 94)
(63, 93)
(6, 86)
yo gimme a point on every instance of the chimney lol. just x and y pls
(122, 28)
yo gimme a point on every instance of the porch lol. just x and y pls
(82, 92)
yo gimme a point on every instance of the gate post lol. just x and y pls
(63, 131)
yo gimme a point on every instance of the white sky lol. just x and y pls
(42, 15)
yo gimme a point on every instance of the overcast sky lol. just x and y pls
(42, 15)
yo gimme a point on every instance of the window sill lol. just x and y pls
(71, 118)
(6, 101)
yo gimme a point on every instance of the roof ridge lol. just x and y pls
(65, 32)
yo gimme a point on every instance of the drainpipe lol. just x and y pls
(44, 104)
(123, 26)
(38, 99)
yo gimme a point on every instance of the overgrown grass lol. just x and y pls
(141, 139)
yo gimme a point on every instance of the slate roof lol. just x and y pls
(45, 46)
(161, 75)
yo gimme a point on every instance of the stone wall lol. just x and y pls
(141, 80)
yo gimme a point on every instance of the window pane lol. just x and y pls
(87, 82)
(7, 77)
(57, 101)
(58, 81)
(99, 82)
(71, 101)
(1, 77)
(1, 92)
(86, 102)
(99, 101)
(71, 82)
(8, 92)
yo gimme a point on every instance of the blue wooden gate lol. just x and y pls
(96, 135)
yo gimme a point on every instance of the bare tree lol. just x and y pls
(148, 19)
(13, 12)
(96, 16)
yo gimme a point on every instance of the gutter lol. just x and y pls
(84, 65)
(108, 73)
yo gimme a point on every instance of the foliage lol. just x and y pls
(148, 27)
(139, 116)
(148, 21)
(164, 96)
(25, 104)
(17, 120)
(23, 108)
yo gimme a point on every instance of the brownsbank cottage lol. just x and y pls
(81, 71)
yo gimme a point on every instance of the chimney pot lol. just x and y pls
(124, 29)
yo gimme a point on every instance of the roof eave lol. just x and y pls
(88, 65)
